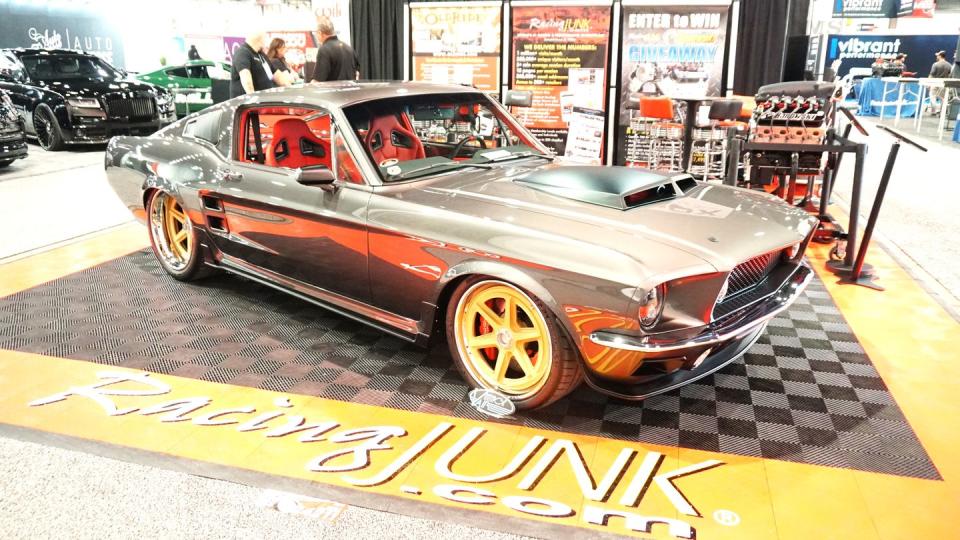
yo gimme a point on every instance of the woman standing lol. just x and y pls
(275, 55)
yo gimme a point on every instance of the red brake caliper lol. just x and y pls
(485, 327)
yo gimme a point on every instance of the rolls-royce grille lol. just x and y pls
(138, 108)
(749, 274)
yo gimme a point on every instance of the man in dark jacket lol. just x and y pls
(336, 60)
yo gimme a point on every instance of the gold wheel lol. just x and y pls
(503, 339)
(171, 231)
(177, 229)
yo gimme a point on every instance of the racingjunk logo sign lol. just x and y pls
(856, 47)
(369, 457)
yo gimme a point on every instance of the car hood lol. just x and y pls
(718, 224)
(94, 88)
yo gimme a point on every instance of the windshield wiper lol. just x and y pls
(455, 164)
(518, 155)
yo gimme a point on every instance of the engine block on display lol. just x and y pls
(796, 113)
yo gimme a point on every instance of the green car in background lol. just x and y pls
(191, 83)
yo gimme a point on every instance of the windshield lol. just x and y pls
(68, 66)
(415, 136)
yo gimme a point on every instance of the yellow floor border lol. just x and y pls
(513, 472)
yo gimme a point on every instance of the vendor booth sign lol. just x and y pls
(559, 54)
(862, 50)
(456, 43)
(42, 27)
(886, 9)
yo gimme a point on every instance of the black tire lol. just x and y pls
(187, 268)
(4, 163)
(565, 370)
(47, 129)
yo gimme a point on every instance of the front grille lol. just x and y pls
(137, 108)
(748, 275)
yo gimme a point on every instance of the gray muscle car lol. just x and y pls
(428, 211)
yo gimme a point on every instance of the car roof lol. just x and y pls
(345, 93)
(192, 63)
(34, 52)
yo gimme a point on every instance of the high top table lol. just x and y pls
(690, 122)
(902, 84)
(951, 92)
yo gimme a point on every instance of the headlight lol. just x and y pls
(651, 306)
(84, 103)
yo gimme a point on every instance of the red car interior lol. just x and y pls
(294, 145)
(392, 137)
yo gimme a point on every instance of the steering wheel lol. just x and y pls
(463, 141)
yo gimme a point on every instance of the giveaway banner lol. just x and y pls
(456, 43)
(560, 54)
(679, 47)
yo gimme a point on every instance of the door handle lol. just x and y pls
(229, 176)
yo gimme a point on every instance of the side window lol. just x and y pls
(205, 126)
(347, 169)
(177, 72)
(285, 137)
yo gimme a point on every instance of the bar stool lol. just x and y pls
(666, 150)
(709, 145)
(639, 133)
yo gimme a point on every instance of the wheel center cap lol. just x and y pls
(504, 338)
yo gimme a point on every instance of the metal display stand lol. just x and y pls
(861, 273)
(835, 145)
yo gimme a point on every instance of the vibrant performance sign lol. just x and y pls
(872, 8)
(560, 54)
(677, 47)
(456, 44)
(862, 50)
(230, 45)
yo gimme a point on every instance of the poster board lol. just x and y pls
(456, 43)
(559, 52)
(678, 45)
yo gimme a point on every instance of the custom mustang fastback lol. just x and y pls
(428, 211)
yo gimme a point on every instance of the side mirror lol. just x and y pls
(518, 98)
(317, 176)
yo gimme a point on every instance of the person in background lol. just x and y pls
(940, 70)
(251, 70)
(276, 54)
(193, 53)
(336, 60)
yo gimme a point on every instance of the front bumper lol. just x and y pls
(93, 130)
(716, 346)
(13, 147)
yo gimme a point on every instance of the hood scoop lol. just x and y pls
(621, 188)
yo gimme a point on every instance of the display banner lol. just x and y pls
(456, 43)
(339, 13)
(298, 43)
(884, 9)
(862, 50)
(230, 45)
(679, 47)
(45, 27)
(560, 54)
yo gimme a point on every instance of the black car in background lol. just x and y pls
(13, 141)
(68, 96)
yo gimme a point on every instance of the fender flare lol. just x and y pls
(505, 272)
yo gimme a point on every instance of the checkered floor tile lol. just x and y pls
(805, 392)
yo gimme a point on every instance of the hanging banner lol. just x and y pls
(678, 48)
(230, 45)
(860, 50)
(560, 54)
(43, 27)
(884, 9)
(456, 43)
